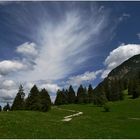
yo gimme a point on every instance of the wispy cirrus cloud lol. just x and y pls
(60, 48)
(65, 45)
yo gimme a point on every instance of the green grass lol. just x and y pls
(94, 123)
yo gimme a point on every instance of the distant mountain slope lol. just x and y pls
(127, 69)
(119, 78)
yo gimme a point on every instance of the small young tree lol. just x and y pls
(6, 107)
(18, 103)
(106, 108)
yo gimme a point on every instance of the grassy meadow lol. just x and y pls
(123, 121)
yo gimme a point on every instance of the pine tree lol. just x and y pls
(45, 101)
(64, 96)
(101, 97)
(130, 87)
(7, 107)
(71, 95)
(90, 94)
(18, 103)
(32, 101)
(58, 98)
(80, 94)
(136, 89)
(0, 108)
(85, 96)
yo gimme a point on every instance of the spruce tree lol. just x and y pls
(58, 98)
(80, 94)
(85, 96)
(18, 103)
(0, 108)
(45, 101)
(71, 95)
(32, 101)
(130, 87)
(101, 98)
(90, 94)
(136, 89)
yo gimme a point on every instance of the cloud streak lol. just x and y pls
(65, 45)
(85, 77)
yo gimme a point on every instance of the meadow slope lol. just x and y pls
(123, 121)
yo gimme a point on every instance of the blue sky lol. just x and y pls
(55, 44)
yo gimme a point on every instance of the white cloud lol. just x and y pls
(8, 66)
(7, 94)
(86, 77)
(65, 45)
(119, 55)
(28, 49)
(8, 84)
(64, 49)
(51, 88)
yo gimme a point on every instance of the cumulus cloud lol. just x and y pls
(7, 84)
(8, 90)
(7, 66)
(119, 55)
(50, 87)
(27, 49)
(86, 77)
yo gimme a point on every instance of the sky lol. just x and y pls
(57, 44)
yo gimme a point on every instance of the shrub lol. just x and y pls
(106, 108)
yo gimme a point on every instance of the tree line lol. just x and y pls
(36, 100)
(108, 91)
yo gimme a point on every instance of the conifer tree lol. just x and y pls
(136, 89)
(101, 97)
(61, 98)
(90, 94)
(0, 108)
(45, 101)
(80, 94)
(130, 87)
(18, 103)
(32, 101)
(7, 107)
(71, 95)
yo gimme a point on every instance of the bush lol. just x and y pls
(106, 108)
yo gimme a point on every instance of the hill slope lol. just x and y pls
(118, 79)
(123, 121)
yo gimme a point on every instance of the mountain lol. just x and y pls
(118, 79)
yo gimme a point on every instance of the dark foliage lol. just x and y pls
(44, 101)
(7, 107)
(32, 101)
(18, 103)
